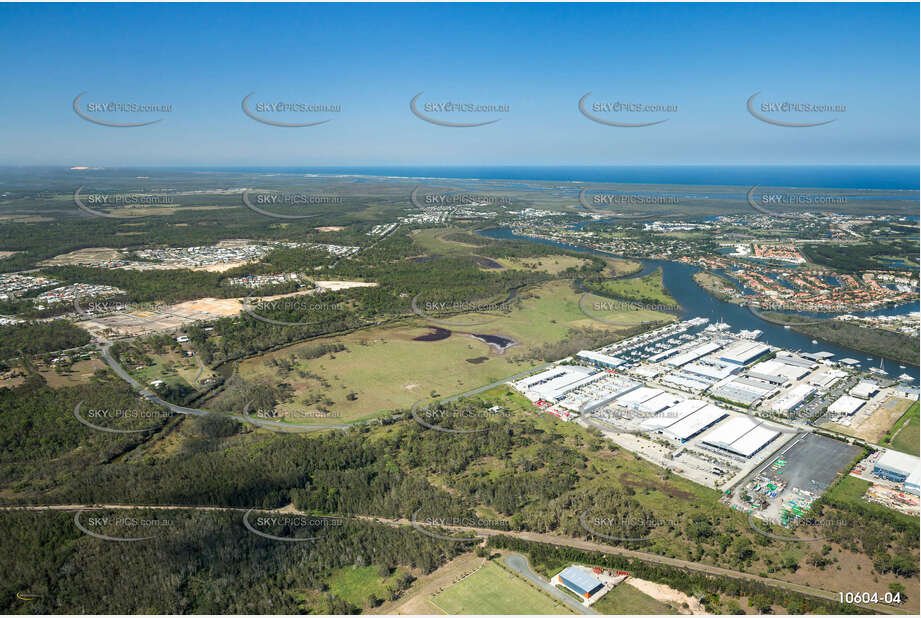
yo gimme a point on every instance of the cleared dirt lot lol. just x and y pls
(171, 317)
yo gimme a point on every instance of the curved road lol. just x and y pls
(519, 564)
(146, 393)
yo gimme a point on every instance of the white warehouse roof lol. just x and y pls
(864, 389)
(898, 462)
(694, 354)
(673, 414)
(694, 423)
(598, 357)
(741, 435)
(845, 404)
(742, 352)
(658, 403)
(638, 396)
(792, 398)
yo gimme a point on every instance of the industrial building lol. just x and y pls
(864, 389)
(594, 395)
(896, 466)
(741, 435)
(911, 483)
(710, 369)
(556, 382)
(672, 415)
(580, 582)
(745, 390)
(846, 404)
(687, 426)
(635, 398)
(783, 367)
(686, 382)
(600, 360)
(743, 352)
(792, 399)
(693, 354)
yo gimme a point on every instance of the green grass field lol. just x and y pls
(909, 431)
(388, 369)
(647, 289)
(493, 590)
(356, 584)
(625, 599)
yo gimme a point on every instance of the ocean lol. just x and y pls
(904, 177)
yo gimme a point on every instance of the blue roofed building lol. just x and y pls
(580, 582)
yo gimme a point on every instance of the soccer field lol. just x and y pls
(493, 590)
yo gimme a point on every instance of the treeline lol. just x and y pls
(857, 257)
(29, 338)
(549, 558)
(199, 563)
(885, 343)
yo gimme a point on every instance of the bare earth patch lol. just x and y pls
(665, 594)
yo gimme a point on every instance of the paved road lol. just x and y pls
(519, 564)
(477, 391)
(146, 393)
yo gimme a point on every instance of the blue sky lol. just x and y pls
(537, 59)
